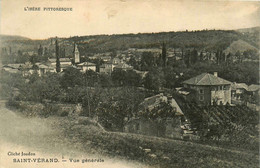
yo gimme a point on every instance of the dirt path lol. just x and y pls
(35, 135)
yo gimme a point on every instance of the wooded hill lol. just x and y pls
(209, 40)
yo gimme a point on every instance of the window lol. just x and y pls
(225, 87)
(201, 91)
(201, 98)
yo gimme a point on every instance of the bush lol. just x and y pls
(64, 114)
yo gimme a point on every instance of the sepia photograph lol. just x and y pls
(129, 83)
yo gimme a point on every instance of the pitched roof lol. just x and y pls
(61, 59)
(235, 86)
(153, 101)
(123, 66)
(14, 66)
(253, 87)
(86, 64)
(65, 60)
(178, 109)
(42, 66)
(206, 79)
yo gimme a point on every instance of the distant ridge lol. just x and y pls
(12, 37)
(201, 40)
(249, 30)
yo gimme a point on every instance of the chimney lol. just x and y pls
(216, 74)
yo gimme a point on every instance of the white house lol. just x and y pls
(87, 66)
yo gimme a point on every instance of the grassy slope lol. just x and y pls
(169, 153)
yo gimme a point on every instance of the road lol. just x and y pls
(35, 135)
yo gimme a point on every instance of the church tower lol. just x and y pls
(76, 54)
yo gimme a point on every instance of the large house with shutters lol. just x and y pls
(209, 89)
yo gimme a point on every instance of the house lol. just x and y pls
(209, 89)
(12, 68)
(161, 122)
(106, 68)
(141, 73)
(185, 92)
(87, 66)
(63, 61)
(254, 93)
(123, 67)
(254, 89)
(116, 61)
(42, 68)
(238, 90)
(106, 58)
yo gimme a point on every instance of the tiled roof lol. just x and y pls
(178, 109)
(42, 66)
(235, 86)
(14, 66)
(61, 59)
(151, 102)
(123, 66)
(253, 87)
(65, 60)
(64, 66)
(206, 79)
(86, 64)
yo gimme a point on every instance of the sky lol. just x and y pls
(91, 17)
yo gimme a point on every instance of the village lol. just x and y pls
(129, 84)
(169, 112)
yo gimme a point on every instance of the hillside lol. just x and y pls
(249, 30)
(239, 45)
(252, 33)
(157, 152)
(211, 40)
(4, 38)
(80, 137)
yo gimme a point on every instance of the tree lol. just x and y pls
(154, 80)
(194, 56)
(170, 77)
(201, 56)
(40, 51)
(91, 78)
(147, 61)
(22, 58)
(105, 80)
(132, 61)
(164, 56)
(71, 78)
(132, 78)
(46, 87)
(46, 54)
(33, 59)
(58, 69)
(187, 58)
(119, 77)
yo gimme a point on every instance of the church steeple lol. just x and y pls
(76, 54)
